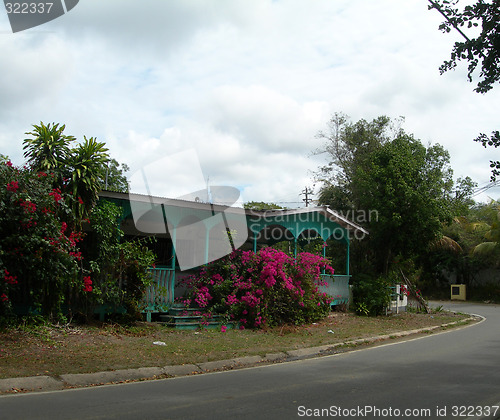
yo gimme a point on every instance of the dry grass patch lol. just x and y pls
(54, 350)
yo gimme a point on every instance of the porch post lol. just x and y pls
(347, 259)
(324, 256)
(207, 240)
(174, 236)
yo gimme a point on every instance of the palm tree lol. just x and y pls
(86, 166)
(456, 247)
(49, 148)
(80, 171)
(492, 235)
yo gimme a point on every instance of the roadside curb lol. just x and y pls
(48, 383)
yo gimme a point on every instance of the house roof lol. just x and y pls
(218, 207)
(323, 210)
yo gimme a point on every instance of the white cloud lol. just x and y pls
(248, 84)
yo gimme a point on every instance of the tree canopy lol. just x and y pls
(481, 51)
(260, 205)
(377, 166)
(409, 185)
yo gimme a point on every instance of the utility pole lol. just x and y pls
(307, 192)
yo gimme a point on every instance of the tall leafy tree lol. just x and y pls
(375, 167)
(260, 205)
(347, 147)
(410, 186)
(113, 178)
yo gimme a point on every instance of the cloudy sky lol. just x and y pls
(245, 85)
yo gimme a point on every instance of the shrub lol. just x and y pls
(260, 289)
(118, 268)
(371, 295)
(43, 264)
(39, 258)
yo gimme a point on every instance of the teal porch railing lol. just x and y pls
(159, 296)
(337, 287)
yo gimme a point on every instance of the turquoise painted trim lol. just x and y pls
(159, 296)
(207, 240)
(347, 259)
(337, 288)
(296, 227)
(174, 243)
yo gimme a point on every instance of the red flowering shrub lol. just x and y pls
(38, 251)
(87, 284)
(265, 288)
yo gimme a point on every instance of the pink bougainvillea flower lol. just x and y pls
(9, 164)
(4, 297)
(231, 300)
(223, 328)
(248, 283)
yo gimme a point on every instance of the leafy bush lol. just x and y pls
(118, 268)
(371, 295)
(260, 289)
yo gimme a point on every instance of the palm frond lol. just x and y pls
(447, 244)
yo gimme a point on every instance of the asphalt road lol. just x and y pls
(449, 375)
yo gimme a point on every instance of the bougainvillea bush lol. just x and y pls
(260, 289)
(39, 257)
(43, 265)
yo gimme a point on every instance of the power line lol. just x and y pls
(307, 192)
(480, 190)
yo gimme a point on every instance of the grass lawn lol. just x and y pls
(56, 350)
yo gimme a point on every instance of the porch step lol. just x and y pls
(183, 311)
(182, 318)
